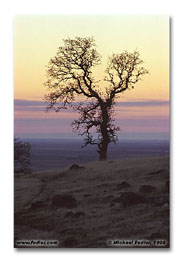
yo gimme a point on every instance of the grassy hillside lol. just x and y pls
(91, 205)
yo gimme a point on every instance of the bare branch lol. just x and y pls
(123, 72)
(70, 72)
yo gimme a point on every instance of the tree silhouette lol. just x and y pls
(21, 156)
(70, 75)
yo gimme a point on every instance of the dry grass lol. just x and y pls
(103, 215)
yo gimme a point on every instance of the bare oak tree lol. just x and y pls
(70, 75)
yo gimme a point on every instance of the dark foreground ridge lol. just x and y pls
(96, 205)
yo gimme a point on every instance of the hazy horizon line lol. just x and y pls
(135, 102)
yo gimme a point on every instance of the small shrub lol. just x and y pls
(22, 153)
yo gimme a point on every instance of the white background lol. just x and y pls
(8, 9)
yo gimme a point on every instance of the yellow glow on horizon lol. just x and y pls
(37, 38)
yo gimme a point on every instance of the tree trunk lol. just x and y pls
(104, 131)
(103, 151)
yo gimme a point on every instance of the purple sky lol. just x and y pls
(137, 119)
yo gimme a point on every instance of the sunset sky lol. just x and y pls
(142, 112)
